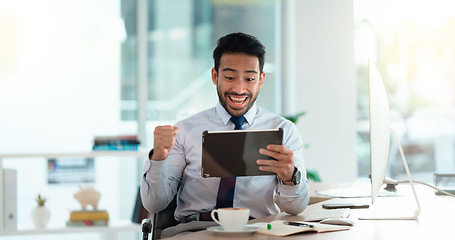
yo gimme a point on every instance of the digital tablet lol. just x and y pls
(234, 153)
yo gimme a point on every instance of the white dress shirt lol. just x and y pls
(180, 172)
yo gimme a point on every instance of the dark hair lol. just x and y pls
(239, 43)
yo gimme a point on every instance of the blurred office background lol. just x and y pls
(72, 70)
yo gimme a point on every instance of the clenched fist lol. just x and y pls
(164, 140)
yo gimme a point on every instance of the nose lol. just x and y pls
(239, 87)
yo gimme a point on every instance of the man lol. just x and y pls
(174, 165)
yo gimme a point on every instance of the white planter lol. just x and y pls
(41, 216)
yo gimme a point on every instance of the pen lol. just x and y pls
(298, 224)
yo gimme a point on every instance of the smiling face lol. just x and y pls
(238, 81)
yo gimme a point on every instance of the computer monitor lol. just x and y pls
(380, 141)
(379, 129)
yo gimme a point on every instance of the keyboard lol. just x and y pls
(319, 215)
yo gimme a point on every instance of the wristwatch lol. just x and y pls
(295, 180)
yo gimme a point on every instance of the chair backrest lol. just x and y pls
(164, 219)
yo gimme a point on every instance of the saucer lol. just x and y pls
(218, 230)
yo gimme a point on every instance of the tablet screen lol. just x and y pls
(234, 153)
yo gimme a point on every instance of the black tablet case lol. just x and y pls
(234, 153)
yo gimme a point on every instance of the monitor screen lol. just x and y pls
(379, 129)
(380, 143)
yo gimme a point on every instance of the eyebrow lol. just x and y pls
(233, 70)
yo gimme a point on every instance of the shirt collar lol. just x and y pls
(225, 116)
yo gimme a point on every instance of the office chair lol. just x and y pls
(164, 219)
(146, 228)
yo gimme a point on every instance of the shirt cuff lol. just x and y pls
(152, 166)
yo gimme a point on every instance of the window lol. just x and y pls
(180, 49)
(412, 43)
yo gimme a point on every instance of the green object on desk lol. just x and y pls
(269, 226)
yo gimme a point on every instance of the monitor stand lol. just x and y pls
(394, 216)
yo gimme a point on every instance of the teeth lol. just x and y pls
(237, 99)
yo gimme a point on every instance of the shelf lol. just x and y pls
(117, 226)
(113, 227)
(139, 153)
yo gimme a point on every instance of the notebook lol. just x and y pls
(279, 228)
(234, 153)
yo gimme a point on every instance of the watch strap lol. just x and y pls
(293, 181)
(150, 154)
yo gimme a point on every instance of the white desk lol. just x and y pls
(435, 222)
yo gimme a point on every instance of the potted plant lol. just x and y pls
(311, 173)
(41, 214)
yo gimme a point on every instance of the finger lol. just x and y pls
(166, 128)
(276, 155)
(279, 148)
(280, 172)
(165, 132)
(267, 169)
(165, 140)
(271, 154)
(266, 162)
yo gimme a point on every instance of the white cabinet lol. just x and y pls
(109, 232)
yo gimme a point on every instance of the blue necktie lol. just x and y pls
(238, 121)
(225, 197)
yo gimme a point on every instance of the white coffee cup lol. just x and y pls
(232, 219)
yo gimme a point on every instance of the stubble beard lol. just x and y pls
(223, 101)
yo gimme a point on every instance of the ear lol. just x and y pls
(214, 76)
(261, 79)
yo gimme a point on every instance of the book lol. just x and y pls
(116, 137)
(121, 142)
(129, 147)
(89, 215)
(279, 228)
(116, 140)
(87, 223)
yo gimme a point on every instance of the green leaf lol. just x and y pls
(313, 175)
(295, 117)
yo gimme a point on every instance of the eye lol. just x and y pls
(250, 79)
(229, 78)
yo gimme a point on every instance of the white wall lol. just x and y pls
(61, 84)
(59, 87)
(326, 86)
